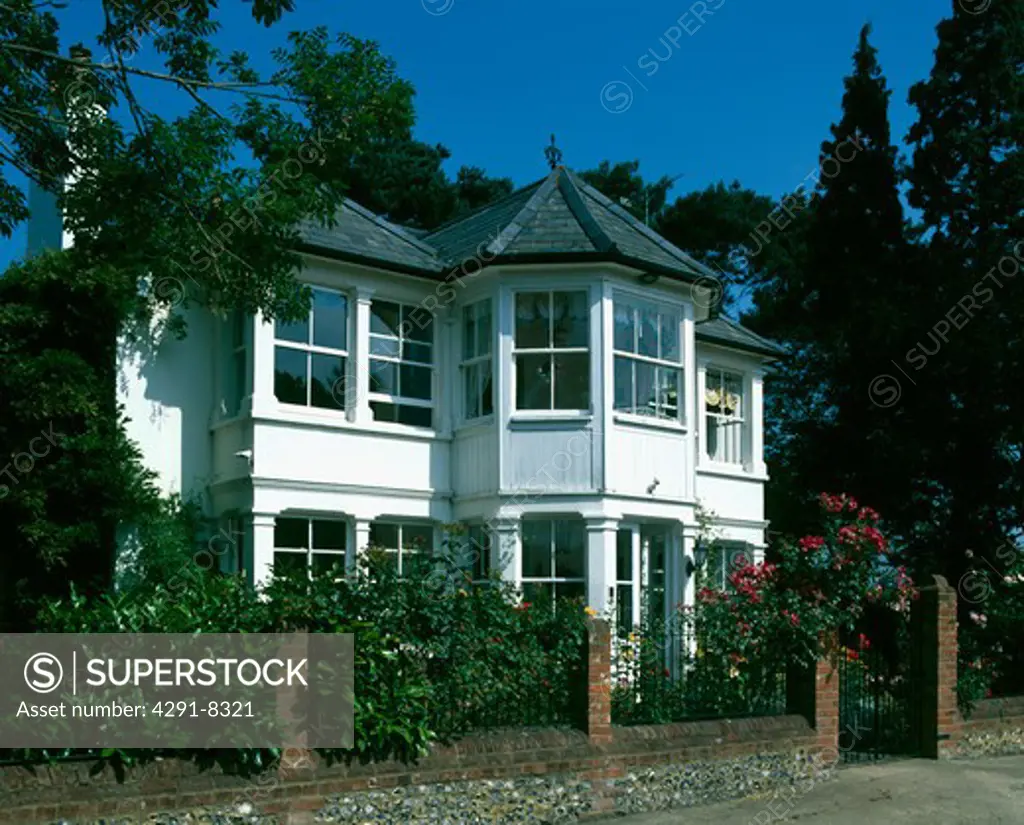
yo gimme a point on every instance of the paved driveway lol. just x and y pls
(912, 792)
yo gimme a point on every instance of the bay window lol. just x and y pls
(648, 359)
(554, 559)
(725, 420)
(311, 355)
(303, 545)
(477, 365)
(401, 363)
(551, 350)
(725, 558)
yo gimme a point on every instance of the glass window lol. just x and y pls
(311, 355)
(553, 560)
(409, 547)
(307, 545)
(724, 415)
(477, 369)
(724, 558)
(551, 350)
(624, 580)
(648, 359)
(401, 363)
(237, 376)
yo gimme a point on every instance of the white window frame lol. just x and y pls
(400, 552)
(723, 557)
(554, 579)
(402, 339)
(311, 551)
(473, 363)
(551, 351)
(637, 306)
(740, 419)
(310, 349)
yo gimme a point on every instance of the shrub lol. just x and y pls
(730, 649)
(433, 661)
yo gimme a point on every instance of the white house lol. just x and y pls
(544, 370)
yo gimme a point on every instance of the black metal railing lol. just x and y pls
(667, 674)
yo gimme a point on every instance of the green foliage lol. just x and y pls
(990, 644)
(433, 662)
(727, 655)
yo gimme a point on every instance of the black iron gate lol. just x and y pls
(878, 688)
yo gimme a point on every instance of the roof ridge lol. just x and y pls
(393, 228)
(640, 226)
(481, 209)
(587, 222)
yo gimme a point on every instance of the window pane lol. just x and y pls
(385, 318)
(383, 377)
(288, 565)
(483, 328)
(711, 427)
(570, 590)
(418, 537)
(732, 401)
(624, 608)
(471, 384)
(327, 563)
(624, 384)
(569, 552)
(423, 353)
(538, 592)
(416, 565)
(290, 376)
(669, 391)
(415, 382)
(291, 532)
(384, 535)
(648, 338)
(670, 337)
(414, 416)
(646, 395)
(328, 387)
(391, 347)
(625, 328)
(418, 324)
(297, 332)
(478, 552)
(624, 555)
(390, 560)
(468, 332)
(571, 319)
(533, 382)
(536, 549)
(532, 326)
(572, 381)
(486, 389)
(329, 535)
(330, 314)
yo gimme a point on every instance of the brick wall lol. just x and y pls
(574, 774)
(594, 762)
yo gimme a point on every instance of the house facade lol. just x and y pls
(545, 372)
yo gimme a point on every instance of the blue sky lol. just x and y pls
(746, 92)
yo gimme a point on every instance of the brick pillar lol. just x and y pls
(934, 631)
(813, 692)
(597, 682)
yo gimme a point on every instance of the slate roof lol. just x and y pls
(562, 218)
(558, 219)
(363, 237)
(728, 333)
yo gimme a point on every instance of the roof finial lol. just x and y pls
(553, 154)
